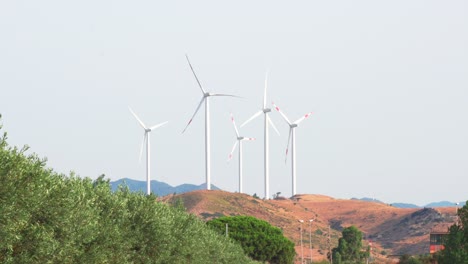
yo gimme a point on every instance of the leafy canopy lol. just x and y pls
(260, 240)
(47, 217)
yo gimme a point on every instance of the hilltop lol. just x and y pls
(162, 189)
(391, 230)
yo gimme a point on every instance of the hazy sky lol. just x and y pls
(387, 82)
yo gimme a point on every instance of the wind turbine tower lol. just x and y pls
(292, 139)
(238, 141)
(205, 99)
(267, 121)
(146, 138)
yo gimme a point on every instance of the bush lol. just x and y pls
(46, 217)
(350, 248)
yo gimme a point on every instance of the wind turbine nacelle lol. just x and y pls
(266, 110)
(293, 125)
(240, 138)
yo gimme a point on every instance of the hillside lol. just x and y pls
(390, 229)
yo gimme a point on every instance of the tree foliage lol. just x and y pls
(456, 242)
(46, 217)
(350, 248)
(419, 259)
(260, 240)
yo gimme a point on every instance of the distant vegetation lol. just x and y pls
(367, 199)
(442, 204)
(409, 205)
(405, 205)
(421, 259)
(260, 240)
(157, 187)
(46, 217)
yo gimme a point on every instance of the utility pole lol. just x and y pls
(302, 248)
(370, 252)
(310, 239)
(329, 246)
(227, 230)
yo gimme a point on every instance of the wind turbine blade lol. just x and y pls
(265, 91)
(234, 124)
(287, 146)
(302, 118)
(138, 119)
(252, 118)
(273, 125)
(231, 95)
(142, 145)
(159, 125)
(248, 139)
(198, 107)
(232, 151)
(198, 81)
(282, 114)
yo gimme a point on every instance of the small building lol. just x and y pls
(436, 237)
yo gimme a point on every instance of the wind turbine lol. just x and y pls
(238, 141)
(267, 121)
(147, 139)
(292, 139)
(206, 99)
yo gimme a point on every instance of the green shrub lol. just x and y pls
(46, 217)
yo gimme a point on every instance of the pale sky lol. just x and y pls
(387, 82)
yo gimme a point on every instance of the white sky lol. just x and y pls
(387, 82)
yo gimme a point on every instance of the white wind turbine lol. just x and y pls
(267, 121)
(147, 139)
(238, 141)
(205, 98)
(292, 139)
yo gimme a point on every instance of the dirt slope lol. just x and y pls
(390, 229)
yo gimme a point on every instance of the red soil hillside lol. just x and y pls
(393, 230)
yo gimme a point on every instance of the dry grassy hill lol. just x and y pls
(390, 229)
